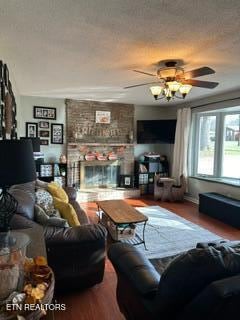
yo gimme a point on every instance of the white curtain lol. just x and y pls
(180, 152)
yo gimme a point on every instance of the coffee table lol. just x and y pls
(119, 212)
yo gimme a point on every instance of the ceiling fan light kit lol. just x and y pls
(173, 80)
(170, 90)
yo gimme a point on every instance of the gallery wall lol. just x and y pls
(51, 152)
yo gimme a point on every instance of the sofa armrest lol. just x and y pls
(76, 255)
(136, 268)
(75, 235)
(82, 217)
(71, 192)
(20, 222)
(217, 298)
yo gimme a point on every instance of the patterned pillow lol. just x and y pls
(45, 200)
(42, 218)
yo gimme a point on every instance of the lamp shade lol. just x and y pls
(16, 162)
(156, 90)
(35, 143)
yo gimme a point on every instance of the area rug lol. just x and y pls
(168, 234)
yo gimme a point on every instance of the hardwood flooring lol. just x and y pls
(100, 302)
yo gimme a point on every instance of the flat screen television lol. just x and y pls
(156, 131)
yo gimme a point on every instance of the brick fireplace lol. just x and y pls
(86, 136)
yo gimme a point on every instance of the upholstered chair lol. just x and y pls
(158, 187)
(179, 190)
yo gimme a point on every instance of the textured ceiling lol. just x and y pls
(85, 49)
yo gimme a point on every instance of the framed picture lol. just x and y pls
(44, 113)
(46, 170)
(31, 130)
(103, 117)
(56, 133)
(44, 142)
(126, 181)
(43, 133)
(43, 124)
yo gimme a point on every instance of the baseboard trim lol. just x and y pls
(191, 199)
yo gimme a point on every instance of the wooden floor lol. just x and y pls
(99, 302)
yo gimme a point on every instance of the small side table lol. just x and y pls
(167, 189)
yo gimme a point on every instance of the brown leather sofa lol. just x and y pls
(203, 283)
(76, 254)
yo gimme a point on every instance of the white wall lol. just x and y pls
(25, 114)
(154, 113)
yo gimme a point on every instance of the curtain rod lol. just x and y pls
(210, 103)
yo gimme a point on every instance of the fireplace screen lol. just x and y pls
(99, 174)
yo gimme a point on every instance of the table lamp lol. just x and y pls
(16, 166)
(35, 143)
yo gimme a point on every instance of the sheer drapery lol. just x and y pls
(180, 153)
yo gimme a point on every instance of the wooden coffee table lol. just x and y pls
(119, 212)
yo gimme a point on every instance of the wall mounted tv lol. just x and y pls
(156, 131)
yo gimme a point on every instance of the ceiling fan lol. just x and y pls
(172, 80)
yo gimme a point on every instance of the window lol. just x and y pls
(206, 145)
(231, 146)
(216, 145)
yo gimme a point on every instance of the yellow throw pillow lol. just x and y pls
(57, 192)
(67, 212)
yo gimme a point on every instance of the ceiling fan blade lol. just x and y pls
(198, 72)
(139, 85)
(147, 73)
(201, 84)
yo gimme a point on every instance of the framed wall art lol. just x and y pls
(43, 133)
(126, 181)
(44, 142)
(103, 117)
(43, 124)
(44, 113)
(31, 130)
(56, 133)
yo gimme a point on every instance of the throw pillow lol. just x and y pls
(41, 184)
(57, 191)
(67, 212)
(45, 200)
(42, 218)
(191, 272)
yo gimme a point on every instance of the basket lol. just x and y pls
(121, 232)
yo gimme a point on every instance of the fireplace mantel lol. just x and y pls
(76, 144)
(99, 162)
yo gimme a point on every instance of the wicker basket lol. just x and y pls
(121, 232)
(46, 300)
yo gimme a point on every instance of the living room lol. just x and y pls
(121, 126)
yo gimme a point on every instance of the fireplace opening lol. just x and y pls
(99, 174)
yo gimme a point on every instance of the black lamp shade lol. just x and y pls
(16, 162)
(35, 143)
